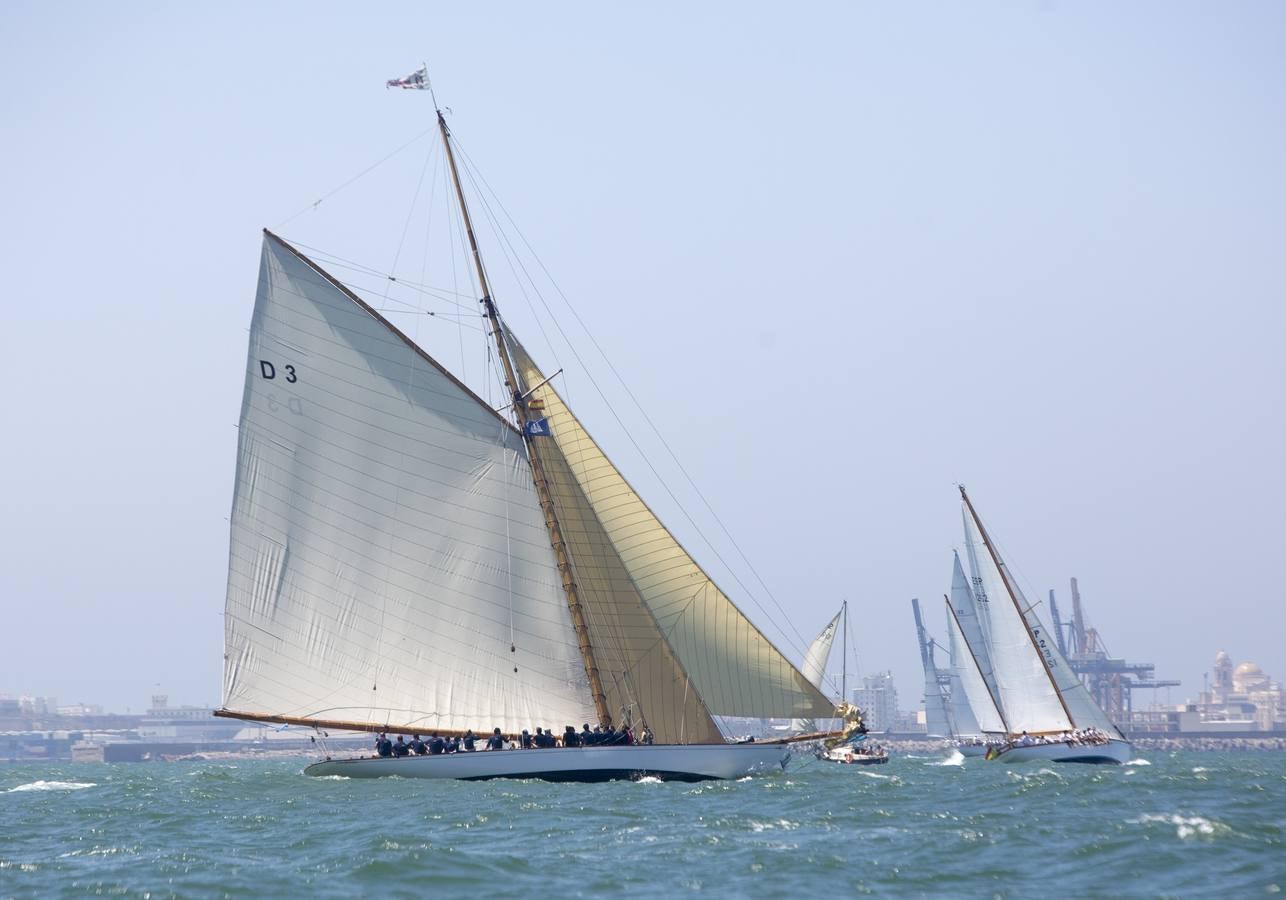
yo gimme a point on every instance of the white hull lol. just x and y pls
(1116, 752)
(971, 751)
(693, 762)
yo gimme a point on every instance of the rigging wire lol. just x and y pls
(799, 641)
(321, 255)
(358, 176)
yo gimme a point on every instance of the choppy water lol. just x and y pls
(1184, 824)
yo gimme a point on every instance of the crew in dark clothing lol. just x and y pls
(400, 748)
(570, 738)
(383, 746)
(495, 742)
(417, 745)
(586, 736)
(437, 745)
(468, 741)
(525, 741)
(627, 735)
(544, 739)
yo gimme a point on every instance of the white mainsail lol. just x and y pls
(819, 651)
(963, 721)
(389, 560)
(937, 720)
(1027, 693)
(976, 659)
(1083, 710)
(981, 604)
(814, 667)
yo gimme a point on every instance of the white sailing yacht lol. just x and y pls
(406, 559)
(1037, 698)
(842, 748)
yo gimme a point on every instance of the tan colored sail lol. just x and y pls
(729, 663)
(643, 681)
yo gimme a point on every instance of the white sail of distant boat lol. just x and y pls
(971, 658)
(819, 652)
(937, 715)
(403, 558)
(1039, 694)
(963, 721)
(980, 604)
(814, 667)
(969, 691)
(849, 748)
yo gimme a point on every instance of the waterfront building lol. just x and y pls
(877, 698)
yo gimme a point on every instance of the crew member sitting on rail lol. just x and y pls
(400, 748)
(570, 737)
(417, 745)
(495, 742)
(468, 740)
(383, 746)
(437, 745)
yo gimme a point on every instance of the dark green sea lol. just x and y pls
(1181, 824)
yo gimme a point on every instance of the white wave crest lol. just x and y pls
(955, 759)
(52, 786)
(1185, 826)
(648, 779)
(1138, 762)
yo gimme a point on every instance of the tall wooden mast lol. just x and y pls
(513, 386)
(1004, 576)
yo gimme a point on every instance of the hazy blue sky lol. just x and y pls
(846, 255)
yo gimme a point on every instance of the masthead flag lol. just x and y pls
(416, 81)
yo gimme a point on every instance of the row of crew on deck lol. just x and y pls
(543, 738)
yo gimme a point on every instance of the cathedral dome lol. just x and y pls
(1249, 677)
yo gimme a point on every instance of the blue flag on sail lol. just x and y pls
(537, 428)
